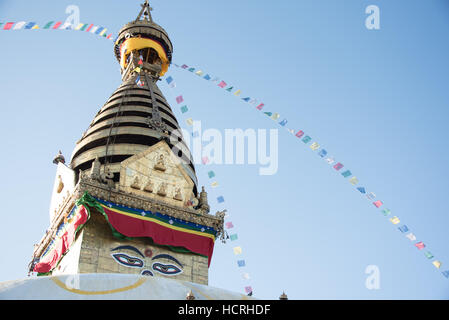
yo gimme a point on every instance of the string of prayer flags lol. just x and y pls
(101, 31)
(315, 146)
(211, 174)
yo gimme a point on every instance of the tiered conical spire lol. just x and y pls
(137, 114)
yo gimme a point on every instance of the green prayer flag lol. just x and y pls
(48, 25)
(346, 174)
(84, 27)
(229, 89)
(306, 139)
(234, 237)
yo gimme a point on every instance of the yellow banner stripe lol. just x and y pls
(164, 224)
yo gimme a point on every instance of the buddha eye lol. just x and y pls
(127, 261)
(166, 269)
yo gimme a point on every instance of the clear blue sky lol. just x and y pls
(377, 100)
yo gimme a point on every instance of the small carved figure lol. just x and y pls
(160, 164)
(148, 186)
(135, 184)
(178, 195)
(162, 189)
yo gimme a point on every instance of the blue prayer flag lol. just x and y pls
(207, 77)
(220, 199)
(30, 25)
(99, 30)
(283, 122)
(241, 263)
(246, 99)
(322, 153)
(361, 189)
(403, 228)
(446, 273)
(169, 79)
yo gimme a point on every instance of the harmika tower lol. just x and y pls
(128, 202)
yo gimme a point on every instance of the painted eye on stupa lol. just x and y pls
(166, 269)
(127, 261)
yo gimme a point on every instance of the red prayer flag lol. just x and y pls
(8, 26)
(56, 26)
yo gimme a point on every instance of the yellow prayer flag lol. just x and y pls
(189, 121)
(353, 181)
(314, 146)
(137, 69)
(35, 27)
(437, 264)
(79, 26)
(214, 184)
(237, 93)
(103, 32)
(237, 250)
(275, 116)
(395, 220)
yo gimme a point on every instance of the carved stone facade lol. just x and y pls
(155, 168)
